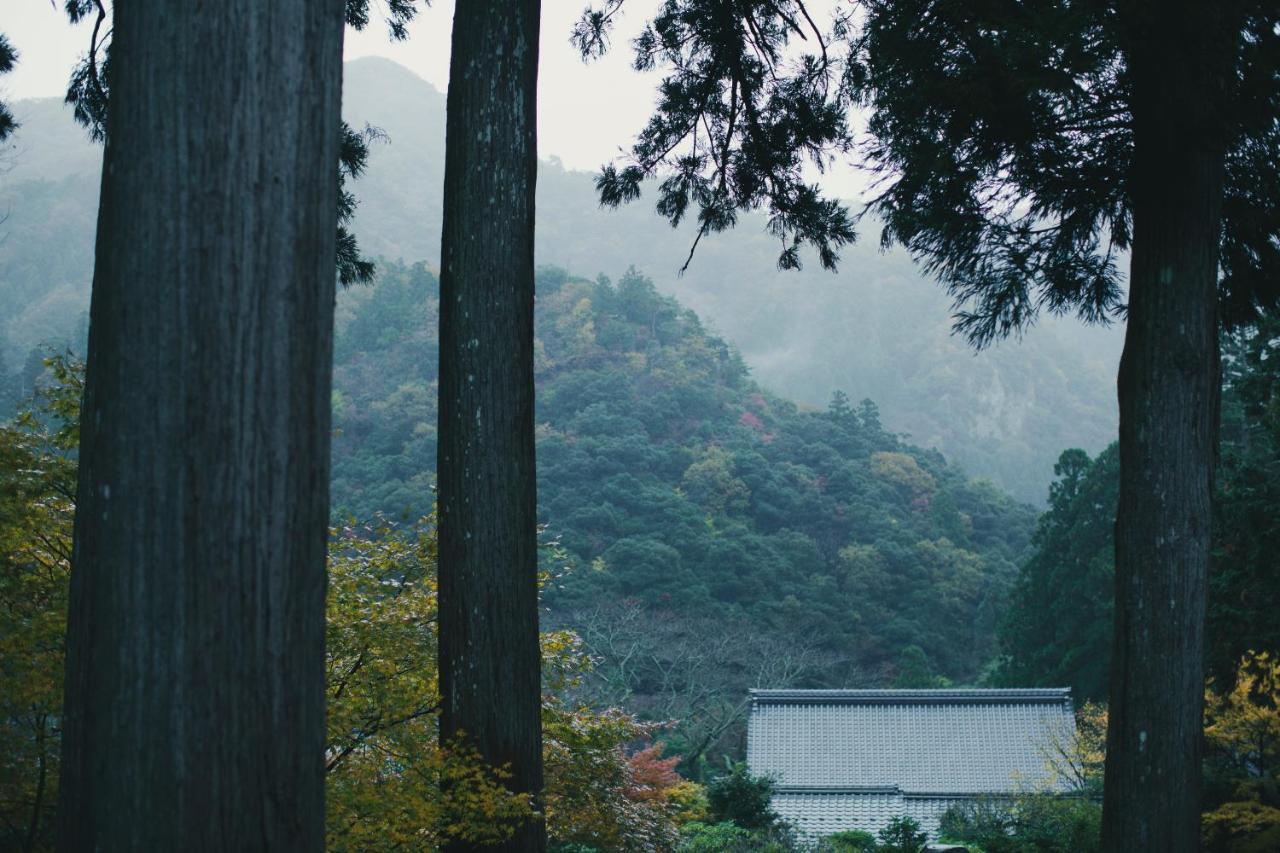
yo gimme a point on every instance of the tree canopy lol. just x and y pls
(8, 57)
(738, 118)
(1000, 139)
(1070, 574)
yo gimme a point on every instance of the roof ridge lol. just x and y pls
(837, 789)
(909, 794)
(1004, 695)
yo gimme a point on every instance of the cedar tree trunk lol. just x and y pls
(490, 679)
(1168, 392)
(195, 649)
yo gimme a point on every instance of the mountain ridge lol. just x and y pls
(877, 329)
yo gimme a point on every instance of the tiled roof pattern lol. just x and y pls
(920, 743)
(854, 759)
(818, 815)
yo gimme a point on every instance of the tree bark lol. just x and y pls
(195, 660)
(490, 678)
(1168, 392)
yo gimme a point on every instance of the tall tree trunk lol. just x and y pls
(1168, 392)
(490, 678)
(195, 660)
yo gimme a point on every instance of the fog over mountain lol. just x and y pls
(878, 328)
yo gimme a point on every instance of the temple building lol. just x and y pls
(855, 759)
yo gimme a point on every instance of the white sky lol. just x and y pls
(585, 112)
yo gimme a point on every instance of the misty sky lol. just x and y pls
(585, 112)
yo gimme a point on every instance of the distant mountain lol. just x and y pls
(877, 329)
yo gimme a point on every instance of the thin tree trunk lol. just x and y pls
(1168, 391)
(490, 678)
(195, 659)
(37, 804)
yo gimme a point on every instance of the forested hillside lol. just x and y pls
(877, 329)
(672, 480)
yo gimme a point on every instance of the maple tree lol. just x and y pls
(391, 783)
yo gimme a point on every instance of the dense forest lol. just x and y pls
(1004, 413)
(670, 479)
(1070, 572)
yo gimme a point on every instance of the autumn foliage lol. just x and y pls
(391, 785)
(1242, 736)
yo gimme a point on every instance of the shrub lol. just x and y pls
(1053, 823)
(902, 835)
(1032, 823)
(727, 838)
(849, 841)
(1242, 827)
(741, 798)
(988, 823)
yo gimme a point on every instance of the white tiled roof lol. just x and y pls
(846, 759)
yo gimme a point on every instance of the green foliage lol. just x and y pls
(1071, 576)
(1002, 137)
(599, 793)
(902, 835)
(1004, 195)
(1071, 573)
(389, 783)
(1241, 827)
(1018, 199)
(1005, 414)
(742, 799)
(849, 841)
(396, 15)
(736, 120)
(985, 822)
(727, 837)
(37, 508)
(1030, 823)
(353, 156)
(1244, 586)
(915, 671)
(8, 57)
